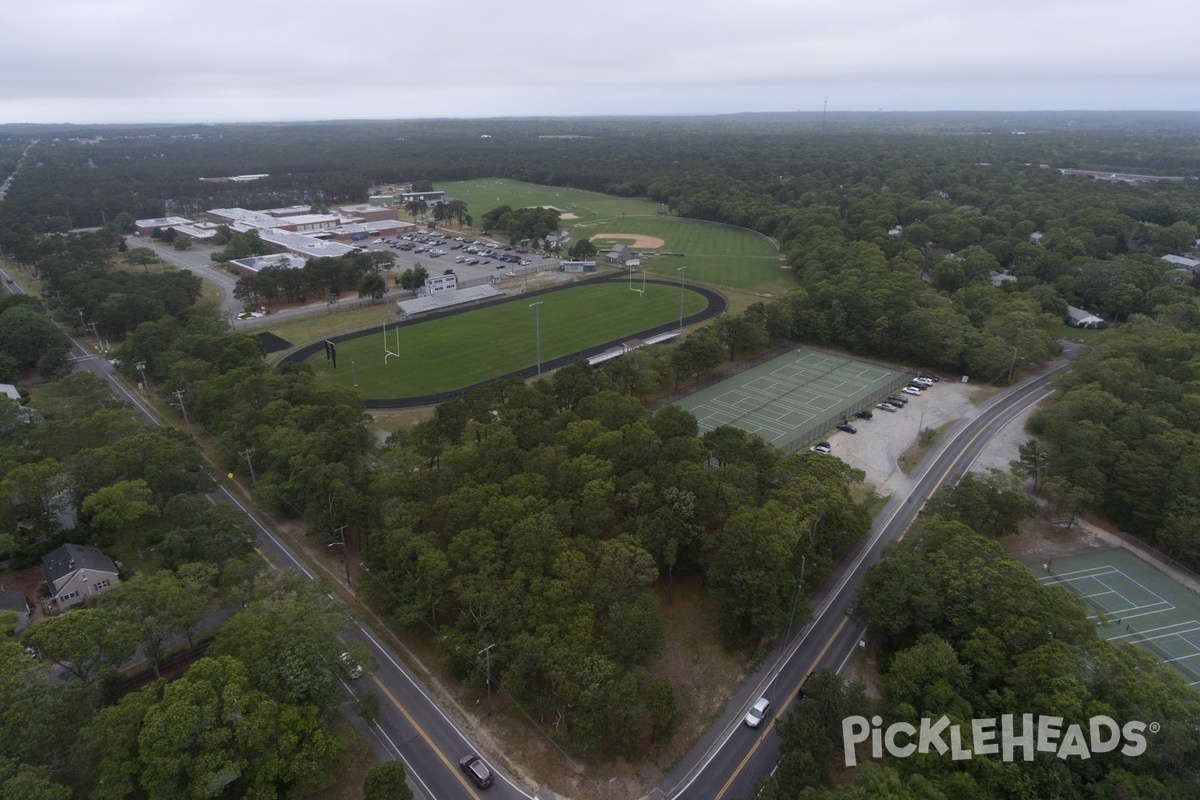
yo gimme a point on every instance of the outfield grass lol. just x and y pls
(715, 254)
(481, 196)
(458, 351)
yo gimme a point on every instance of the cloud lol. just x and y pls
(133, 60)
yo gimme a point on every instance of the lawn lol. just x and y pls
(716, 254)
(713, 253)
(458, 351)
(481, 196)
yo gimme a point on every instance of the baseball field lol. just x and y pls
(715, 254)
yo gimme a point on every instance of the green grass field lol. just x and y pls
(481, 196)
(715, 254)
(465, 349)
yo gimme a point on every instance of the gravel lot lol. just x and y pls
(879, 443)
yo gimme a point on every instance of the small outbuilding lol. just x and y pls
(1082, 319)
(16, 603)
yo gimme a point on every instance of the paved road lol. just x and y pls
(730, 758)
(412, 726)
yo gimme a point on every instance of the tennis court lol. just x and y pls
(792, 398)
(1133, 602)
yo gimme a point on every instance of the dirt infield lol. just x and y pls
(637, 239)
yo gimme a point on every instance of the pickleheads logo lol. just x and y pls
(1037, 734)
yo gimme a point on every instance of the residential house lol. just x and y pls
(75, 572)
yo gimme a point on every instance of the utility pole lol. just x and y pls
(249, 451)
(537, 321)
(341, 531)
(179, 396)
(487, 655)
(796, 602)
(682, 273)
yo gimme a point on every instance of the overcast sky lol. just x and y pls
(257, 60)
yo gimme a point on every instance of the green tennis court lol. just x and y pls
(1133, 602)
(793, 398)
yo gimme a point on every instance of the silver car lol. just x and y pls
(757, 712)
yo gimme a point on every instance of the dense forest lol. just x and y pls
(567, 493)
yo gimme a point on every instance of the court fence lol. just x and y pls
(818, 426)
(1137, 637)
(822, 425)
(714, 377)
(1142, 640)
(1156, 557)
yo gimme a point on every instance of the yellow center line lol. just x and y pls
(771, 726)
(420, 732)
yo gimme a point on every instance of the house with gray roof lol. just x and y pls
(75, 572)
(1082, 319)
(16, 603)
(619, 255)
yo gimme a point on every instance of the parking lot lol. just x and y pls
(881, 440)
(473, 260)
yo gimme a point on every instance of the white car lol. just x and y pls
(923, 381)
(821, 447)
(887, 407)
(757, 712)
(911, 390)
(354, 669)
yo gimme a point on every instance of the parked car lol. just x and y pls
(476, 770)
(930, 376)
(887, 407)
(864, 414)
(897, 400)
(911, 390)
(821, 447)
(847, 427)
(757, 712)
(922, 381)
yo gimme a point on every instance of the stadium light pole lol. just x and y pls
(682, 273)
(537, 322)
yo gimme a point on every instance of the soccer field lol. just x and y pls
(461, 350)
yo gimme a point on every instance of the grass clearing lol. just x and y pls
(453, 352)
(717, 254)
(482, 195)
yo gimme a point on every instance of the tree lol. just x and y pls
(1034, 461)
(286, 636)
(25, 335)
(208, 735)
(993, 505)
(665, 715)
(372, 285)
(142, 256)
(582, 250)
(120, 506)
(160, 607)
(182, 242)
(413, 279)
(85, 643)
(386, 781)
